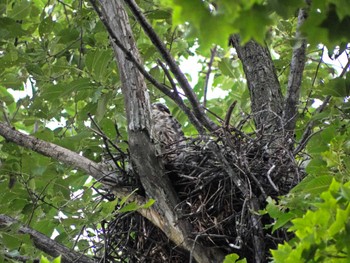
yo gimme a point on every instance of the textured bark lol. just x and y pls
(143, 153)
(175, 69)
(265, 92)
(98, 171)
(267, 109)
(295, 77)
(46, 244)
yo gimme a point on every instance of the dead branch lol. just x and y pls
(98, 171)
(207, 75)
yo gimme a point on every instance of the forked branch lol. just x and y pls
(175, 69)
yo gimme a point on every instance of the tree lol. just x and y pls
(100, 186)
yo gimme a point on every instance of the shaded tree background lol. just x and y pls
(268, 57)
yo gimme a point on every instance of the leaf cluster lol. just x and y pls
(322, 233)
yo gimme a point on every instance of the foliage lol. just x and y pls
(57, 54)
(322, 233)
(327, 21)
(45, 260)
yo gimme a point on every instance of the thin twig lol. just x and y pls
(269, 178)
(229, 113)
(213, 53)
(307, 133)
(312, 84)
(167, 74)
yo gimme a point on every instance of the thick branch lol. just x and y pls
(263, 84)
(136, 61)
(46, 244)
(295, 77)
(143, 153)
(180, 77)
(98, 171)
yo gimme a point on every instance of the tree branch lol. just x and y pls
(180, 77)
(180, 102)
(263, 84)
(143, 152)
(295, 77)
(307, 133)
(213, 53)
(98, 171)
(46, 244)
(130, 56)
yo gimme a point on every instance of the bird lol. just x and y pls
(166, 131)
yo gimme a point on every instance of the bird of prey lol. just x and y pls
(166, 131)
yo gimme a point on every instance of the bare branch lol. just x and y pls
(178, 100)
(213, 52)
(98, 171)
(296, 73)
(308, 131)
(229, 113)
(46, 244)
(180, 77)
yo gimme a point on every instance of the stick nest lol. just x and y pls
(221, 181)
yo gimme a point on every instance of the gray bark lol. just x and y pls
(264, 88)
(98, 171)
(143, 152)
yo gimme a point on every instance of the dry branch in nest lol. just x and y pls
(216, 178)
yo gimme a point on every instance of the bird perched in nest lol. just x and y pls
(166, 131)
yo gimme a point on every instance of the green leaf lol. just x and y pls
(20, 10)
(129, 207)
(149, 203)
(337, 87)
(44, 260)
(102, 106)
(98, 62)
(57, 260)
(312, 185)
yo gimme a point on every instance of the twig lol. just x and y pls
(307, 133)
(240, 184)
(229, 113)
(213, 52)
(167, 74)
(178, 74)
(313, 83)
(269, 178)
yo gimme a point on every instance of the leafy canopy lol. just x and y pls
(59, 53)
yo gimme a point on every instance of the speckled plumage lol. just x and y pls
(166, 129)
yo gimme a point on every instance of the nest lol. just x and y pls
(216, 177)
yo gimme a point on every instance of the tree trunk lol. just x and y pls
(143, 152)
